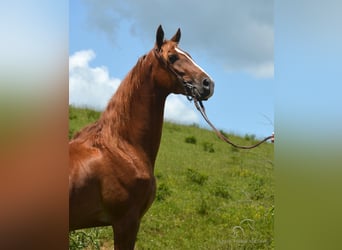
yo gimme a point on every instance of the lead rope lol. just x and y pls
(201, 109)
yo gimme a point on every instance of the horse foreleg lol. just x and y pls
(125, 233)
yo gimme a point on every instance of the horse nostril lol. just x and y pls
(206, 83)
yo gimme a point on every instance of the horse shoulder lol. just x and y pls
(83, 162)
(127, 177)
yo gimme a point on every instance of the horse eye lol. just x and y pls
(173, 58)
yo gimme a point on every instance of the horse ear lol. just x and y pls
(160, 37)
(177, 36)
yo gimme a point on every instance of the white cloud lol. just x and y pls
(89, 86)
(81, 59)
(236, 34)
(177, 111)
(93, 87)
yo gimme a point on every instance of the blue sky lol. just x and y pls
(231, 40)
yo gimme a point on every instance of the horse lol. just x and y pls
(111, 166)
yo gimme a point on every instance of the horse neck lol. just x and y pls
(135, 113)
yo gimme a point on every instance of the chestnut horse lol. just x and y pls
(111, 178)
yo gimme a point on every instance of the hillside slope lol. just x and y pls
(210, 195)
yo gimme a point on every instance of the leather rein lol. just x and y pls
(192, 95)
(201, 109)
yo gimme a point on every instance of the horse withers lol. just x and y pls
(111, 177)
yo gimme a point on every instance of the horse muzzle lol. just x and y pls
(201, 91)
(207, 89)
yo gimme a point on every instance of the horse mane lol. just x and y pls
(117, 108)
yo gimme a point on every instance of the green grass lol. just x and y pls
(210, 195)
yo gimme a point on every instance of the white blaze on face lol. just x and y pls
(192, 61)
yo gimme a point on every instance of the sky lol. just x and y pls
(231, 40)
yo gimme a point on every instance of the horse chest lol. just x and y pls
(129, 183)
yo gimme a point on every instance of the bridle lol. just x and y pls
(191, 91)
(194, 95)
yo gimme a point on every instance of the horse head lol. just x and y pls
(184, 76)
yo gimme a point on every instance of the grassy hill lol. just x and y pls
(210, 195)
